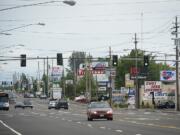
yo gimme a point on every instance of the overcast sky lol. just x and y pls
(90, 26)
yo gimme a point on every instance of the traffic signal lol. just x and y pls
(23, 60)
(146, 60)
(59, 59)
(115, 60)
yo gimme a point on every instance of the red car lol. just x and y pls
(99, 110)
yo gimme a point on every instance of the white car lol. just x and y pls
(52, 104)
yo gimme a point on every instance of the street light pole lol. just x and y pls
(23, 26)
(68, 2)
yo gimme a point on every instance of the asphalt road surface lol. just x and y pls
(41, 121)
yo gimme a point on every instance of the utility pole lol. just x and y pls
(86, 75)
(177, 64)
(110, 77)
(136, 64)
(47, 76)
(90, 75)
(44, 76)
(74, 68)
(38, 80)
(64, 83)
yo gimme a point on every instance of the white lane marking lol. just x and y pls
(21, 113)
(102, 127)
(8, 115)
(150, 124)
(118, 113)
(133, 122)
(66, 112)
(78, 122)
(142, 118)
(16, 132)
(75, 114)
(89, 125)
(131, 113)
(164, 114)
(120, 131)
(138, 134)
(35, 113)
(147, 113)
(43, 114)
(69, 120)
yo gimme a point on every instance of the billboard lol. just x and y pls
(167, 75)
(152, 86)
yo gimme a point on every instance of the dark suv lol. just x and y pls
(61, 103)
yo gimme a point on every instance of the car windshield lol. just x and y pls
(99, 105)
(3, 99)
(27, 102)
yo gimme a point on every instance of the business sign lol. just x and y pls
(111, 72)
(94, 65)
(152, 86)
(102, 89)
(129, 83)
(101, 77)
(167, 75)
(99, 65)
(82, 72)
(56, 73)
(117, 96)
(131, 92)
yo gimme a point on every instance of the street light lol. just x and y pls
(68, 2)
(27, 25)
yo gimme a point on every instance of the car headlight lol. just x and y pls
(6, 104)
(95, 112)
(109, 112)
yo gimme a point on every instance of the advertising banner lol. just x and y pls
(152, 86)
(167, 75)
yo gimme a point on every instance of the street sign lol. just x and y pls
(138, 77)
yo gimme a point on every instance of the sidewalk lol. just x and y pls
(132, 108)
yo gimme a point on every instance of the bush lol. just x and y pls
(115, 105)
(123, 105)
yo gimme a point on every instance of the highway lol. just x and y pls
(42, 121)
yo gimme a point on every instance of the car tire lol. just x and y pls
(90, 119)
(110, 119)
